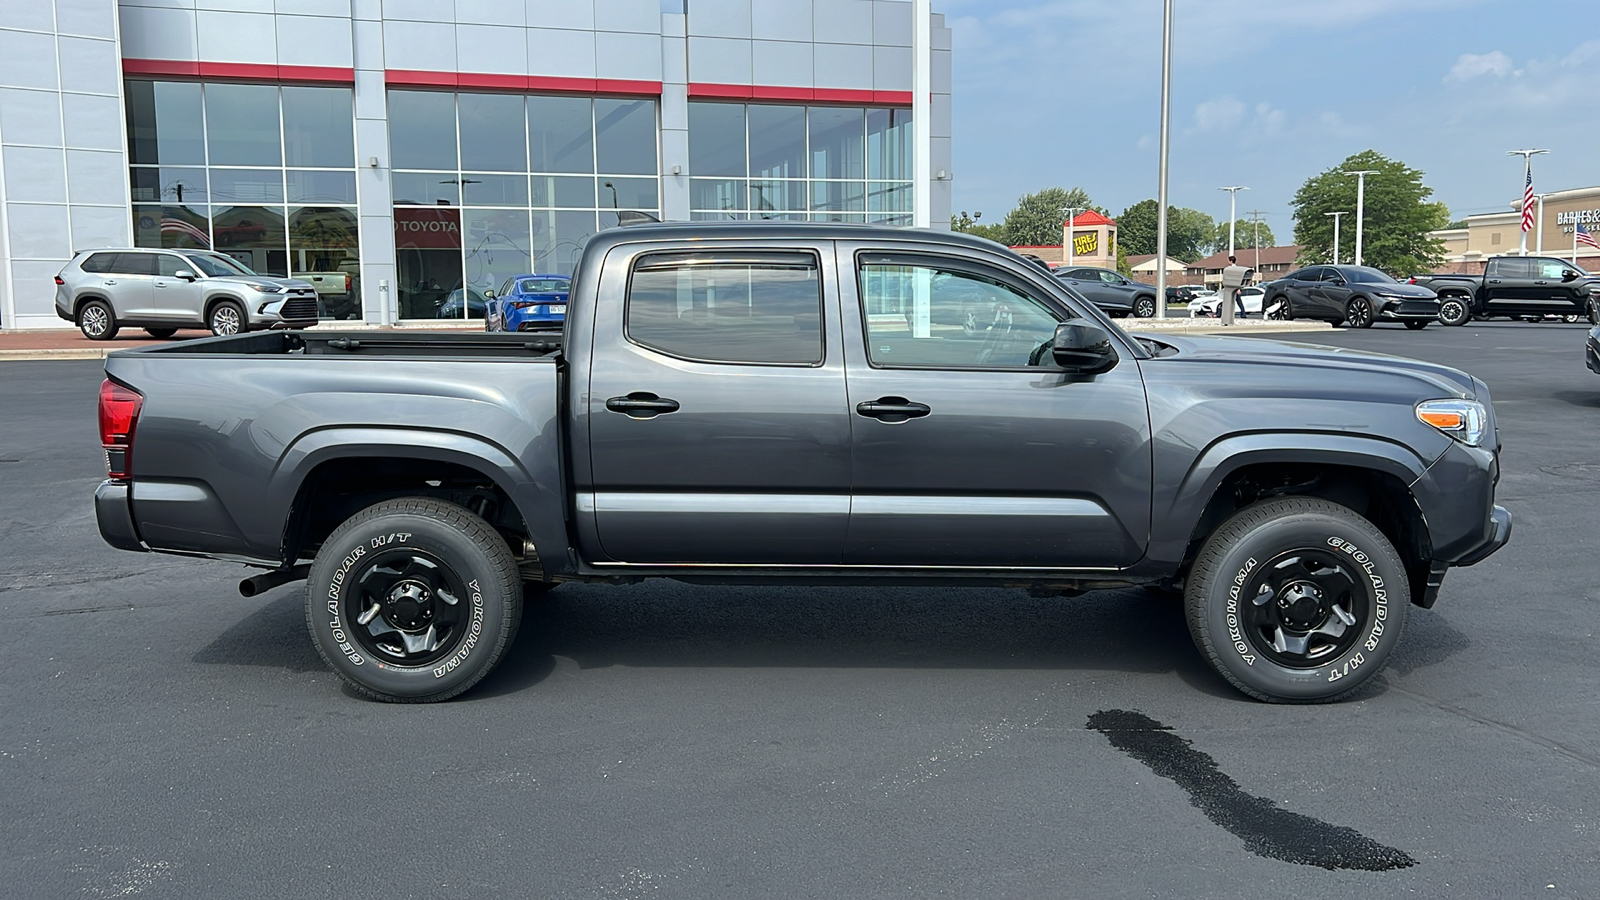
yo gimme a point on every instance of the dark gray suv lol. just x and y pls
(164, 290)
(1117, 295)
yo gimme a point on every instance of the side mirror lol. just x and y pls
(489, 293)
(186, 275)
(1082, 349)
(1569, 275)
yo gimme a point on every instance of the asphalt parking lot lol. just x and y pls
(161, 736)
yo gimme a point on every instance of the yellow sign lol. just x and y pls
(1086, 243)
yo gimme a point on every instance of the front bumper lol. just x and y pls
(114, 513)
(1499, 536)
(1402, 310)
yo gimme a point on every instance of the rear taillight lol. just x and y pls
(522, 304)
(119, 414)
(59, 281)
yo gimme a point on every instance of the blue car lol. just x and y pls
(528, 302)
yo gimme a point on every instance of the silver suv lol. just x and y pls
(164, 290)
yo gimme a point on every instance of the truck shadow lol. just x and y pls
(663, 624)
(667, 624)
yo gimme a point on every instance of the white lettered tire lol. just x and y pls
(1297, 600)
(413, 600)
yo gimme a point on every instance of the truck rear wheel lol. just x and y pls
(413, 600)
(1297, 600)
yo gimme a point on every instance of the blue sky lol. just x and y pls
(1267, 93)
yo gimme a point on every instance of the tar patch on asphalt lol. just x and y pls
(1265, 829)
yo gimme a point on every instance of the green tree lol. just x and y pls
(1189, 231)
(1399, 216)
(969, 224)
(1039, 216)
(1244, 235)
(1122, 261)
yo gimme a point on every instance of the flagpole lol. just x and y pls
(1527, 188)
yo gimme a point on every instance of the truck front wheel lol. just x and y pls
(413, 600)
(1297, 600)
(1453, 311)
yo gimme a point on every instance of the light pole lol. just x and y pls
(1255, 238)
(1161, 180)
(1527, 191)
(1233, 194)
(1361, 204)
(1336, 216)
(1071, 211)
(1538, 229)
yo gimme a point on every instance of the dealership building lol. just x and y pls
(413, 154)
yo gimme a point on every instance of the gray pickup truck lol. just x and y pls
(744, 403)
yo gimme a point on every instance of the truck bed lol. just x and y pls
(369, 343)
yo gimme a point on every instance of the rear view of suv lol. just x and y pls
(164, 290)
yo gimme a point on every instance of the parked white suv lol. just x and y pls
(164, 290)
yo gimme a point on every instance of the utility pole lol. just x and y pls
(1255, 239)
(1071, 211)
(1233, 194)
(1527, 189)
(1361, 204)
(1336, 216)
(1161, 180)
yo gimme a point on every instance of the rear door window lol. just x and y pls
(99, 263)
(757, 307)
(135, 264)
(1512, 268)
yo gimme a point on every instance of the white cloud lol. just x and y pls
(1223, 113)
(1476, 65)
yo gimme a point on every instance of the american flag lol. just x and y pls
(1582, 236)
(1527, 205)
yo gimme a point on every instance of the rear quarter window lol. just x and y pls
(98, 263)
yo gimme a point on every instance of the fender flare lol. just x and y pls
(1173, 527)
(540, 506)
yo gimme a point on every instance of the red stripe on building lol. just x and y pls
(238, 71)
(709, 91)
(544, 84)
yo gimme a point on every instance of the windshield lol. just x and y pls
(542, 285)
(218, 266)
(1367, 275)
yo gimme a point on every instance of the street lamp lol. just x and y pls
(1233, 196)
(613, 194)
(1361, 204)
(1527, 190)
(1161, 180)
(1071, 211)
(1336, 216)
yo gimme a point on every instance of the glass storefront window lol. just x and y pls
(165, 123)
(625, 137)
(416, 138)
(802, 162)
(628, 193)
(247, 185)
(242, 125)
(492, 136)
(309, 186)
(561, 134)
(243, 170)
(425, 188)
(498, 245)
(777, 142)
(483, 189)
(316, 127)
(254, 235)
(175, 226)
(563, 192)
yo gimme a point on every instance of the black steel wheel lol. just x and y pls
(1358, 313)
(413, 600)
(1278, 308)
(1453, 311)
(227, 318)
(1594, 310)
(1144, 307)
(96, 321)
(1416, 324)
(1297, 600)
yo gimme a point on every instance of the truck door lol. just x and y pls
(715, 408)
(1555, 288)
(1507, 285)
(970, 449)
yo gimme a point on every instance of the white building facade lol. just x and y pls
(417, 153)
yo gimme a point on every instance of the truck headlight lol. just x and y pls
(1463, 420)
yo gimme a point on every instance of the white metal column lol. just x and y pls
(922, 112)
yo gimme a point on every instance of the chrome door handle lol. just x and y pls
(109, 281)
